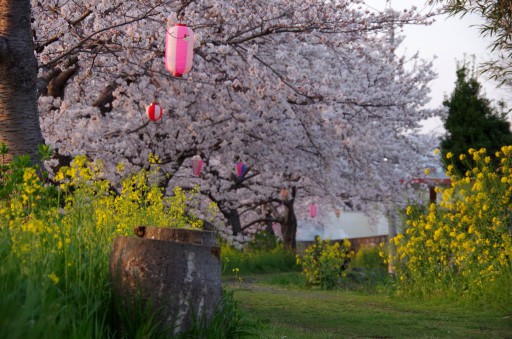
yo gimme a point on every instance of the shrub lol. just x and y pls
(462, 249)
(324, 263)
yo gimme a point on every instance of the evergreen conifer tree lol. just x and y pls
(472, 122)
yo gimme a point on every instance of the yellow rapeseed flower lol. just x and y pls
(120, 167)
(53, 277)
(506, 150)
(59, 176)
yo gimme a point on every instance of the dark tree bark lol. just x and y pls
(269, 229)
(234, 221)
(289, 226)
(19, 118)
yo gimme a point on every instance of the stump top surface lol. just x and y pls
(190, 236)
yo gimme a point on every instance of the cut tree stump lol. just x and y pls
(175, 271)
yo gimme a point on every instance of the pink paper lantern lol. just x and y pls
(197, 165)
(154, 111)
(179, 49)
(313, 209)
(240, 169)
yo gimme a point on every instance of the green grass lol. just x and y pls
(288, 311)
(257, 261)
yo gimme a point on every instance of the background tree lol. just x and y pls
(309, 94)
(19, 119)
(472, 121)
(497, 25)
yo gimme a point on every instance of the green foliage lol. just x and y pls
(44, 152)
(263, 241)
(462, 249)
(368, 271)
(137, 321)
(368, 257)
(472, 122)
(55, 243)
(250, 262)
(324, 263)
(11, 174)
(228, 321)
(4, 150)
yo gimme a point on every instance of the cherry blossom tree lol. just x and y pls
(310, 95)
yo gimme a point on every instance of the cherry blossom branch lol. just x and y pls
(39, 47)
(90, 36)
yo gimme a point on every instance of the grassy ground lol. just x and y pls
(287, 311)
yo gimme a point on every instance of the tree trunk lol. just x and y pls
(234, 221)
(19, 118)
(269, 224)
(289, 226)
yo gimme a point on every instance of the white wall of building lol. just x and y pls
(349, 225)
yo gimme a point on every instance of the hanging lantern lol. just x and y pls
(337, 212)
(197, 165)
(240, 169)
(179, 49)
(313, 209)
(154, 111)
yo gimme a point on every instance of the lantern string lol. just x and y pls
(181, 12)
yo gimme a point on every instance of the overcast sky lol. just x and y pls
(448, 39)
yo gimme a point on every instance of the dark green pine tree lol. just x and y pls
(472, 122)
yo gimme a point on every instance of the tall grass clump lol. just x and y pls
(264, 255)
(228, 321)
(462, 249)
(55, 242)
